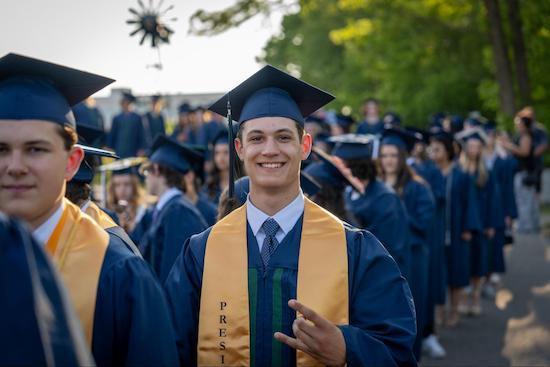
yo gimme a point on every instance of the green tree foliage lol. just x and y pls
(417, 56)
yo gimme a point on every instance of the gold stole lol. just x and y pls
(77, 247)
(224, 321)
(100, 217)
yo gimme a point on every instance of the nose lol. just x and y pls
(270, 147)
(16, 166)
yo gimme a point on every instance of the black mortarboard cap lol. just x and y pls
(399, 137)
(32, 89)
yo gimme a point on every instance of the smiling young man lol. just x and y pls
(115, 296)
(236, 289)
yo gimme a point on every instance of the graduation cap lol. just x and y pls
(170, 153)
(32, 89)
(403, 139)
(476, 133)
(126, 166)
(270, 92)
(85, 172)
(457, 123)
(354, 146)
(327, 173)
(421, 134)
(221, 138)
(441, 135)
(490, 126)
(391, 118)
(184, 108)
(436, 120)
(127, 96)
(88, 131)
(345, 121)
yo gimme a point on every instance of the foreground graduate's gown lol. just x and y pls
(162, 242)
(380, 211)
(382, 324)
(420, 205)
(37, 324)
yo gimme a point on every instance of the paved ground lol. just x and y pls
(515, 327)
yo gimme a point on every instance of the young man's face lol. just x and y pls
(272, 152)
(34, 166)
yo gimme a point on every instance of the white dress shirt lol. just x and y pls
(164, 198)
(286, 218)
(44, 231)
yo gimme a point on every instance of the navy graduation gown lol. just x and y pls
(461, 215)
(208, 210)
(131, 321)
(127, 136)
(38, 326)
(174, 224)
(420, 206)
(380, 211)
(213, 197)
(384, 327)
(153, 125)
(374, 129)
(142, 226)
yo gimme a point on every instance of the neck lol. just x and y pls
(272, 201)
(390, 179)
(162, 189)
(38, 221)
(443, 165)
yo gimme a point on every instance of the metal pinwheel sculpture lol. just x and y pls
(150, 25)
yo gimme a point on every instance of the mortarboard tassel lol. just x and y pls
(231, 189)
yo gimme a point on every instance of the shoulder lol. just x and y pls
(363, 244)
(196, 247)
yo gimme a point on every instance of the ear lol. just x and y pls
(239, 148)
(307, 143)
(76, 156)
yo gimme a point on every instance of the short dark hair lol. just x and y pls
(68, 135)
(299, 128)
(363, 168)
(173, 178)
(78, 192)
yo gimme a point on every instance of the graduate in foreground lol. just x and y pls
(117, 300)
(281, 281)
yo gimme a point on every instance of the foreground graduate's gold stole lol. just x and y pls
(100, 217)
(77, 247)
(224, 321)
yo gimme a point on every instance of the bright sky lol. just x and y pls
(93, 35)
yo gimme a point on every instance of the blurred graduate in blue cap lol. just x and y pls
(174, 218)
(236, 289)
(395, 146)
(127, 136)
(218, 178)
(39, 326)
(153, 121)
(486, 196)
(116, 298)
(88, 114)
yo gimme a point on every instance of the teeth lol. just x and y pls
(271, 165)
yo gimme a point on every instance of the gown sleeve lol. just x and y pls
(382, 323)
(131, 322)
(422, 210)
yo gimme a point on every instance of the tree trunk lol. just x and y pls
(500, 54)
(520, 55)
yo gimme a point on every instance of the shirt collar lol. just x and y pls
(44, 231)
(85, 206)
(164, 198)
(286, 218)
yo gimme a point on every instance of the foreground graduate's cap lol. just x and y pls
(86, 171)
(172, 154)
(401, 138)
(32, 89)
(353, 146)
(476, 133)
(271, 92)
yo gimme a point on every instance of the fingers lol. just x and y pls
(291, 342)
(308, 313)
(298, 328)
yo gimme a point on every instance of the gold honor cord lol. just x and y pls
(77, 247)
(224, 320)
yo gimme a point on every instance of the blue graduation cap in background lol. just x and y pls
(354, 146)
(399, 137)
(476, 133)
(327, 173)
(32, 89)
(86, 172)
(170, 153)
(421, 134)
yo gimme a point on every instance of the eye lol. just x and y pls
(285, 138)
(36, 150)
(256, 138)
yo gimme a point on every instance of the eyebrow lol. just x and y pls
(30, 142)
(284, 130)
